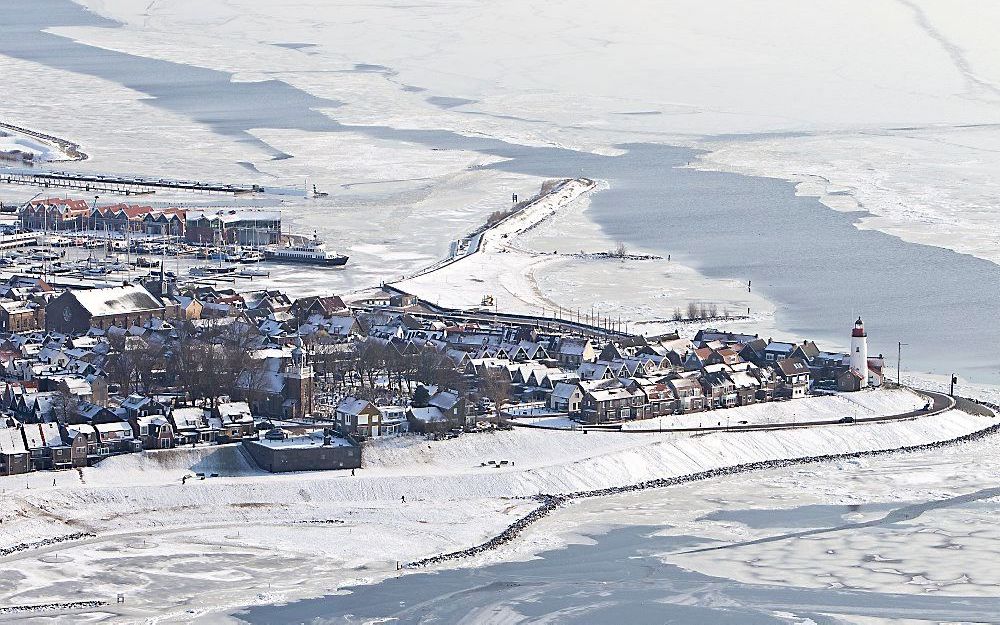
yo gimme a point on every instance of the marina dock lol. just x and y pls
(121, 185)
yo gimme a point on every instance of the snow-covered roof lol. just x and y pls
(156, 419)
(782, 348)
(16, 307)
(120, 427)
(610, 393)
(352, 405)
(231, 216)
(51, 437)
(429, 414)
(11, 441)
(80, 428)
(135, 401)
(234, 410)
(117, 300)
(445, 400)
(188, 417)
(742, 379)
(572, 346)
(564, 390)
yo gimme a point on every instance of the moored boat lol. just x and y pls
(311, 252)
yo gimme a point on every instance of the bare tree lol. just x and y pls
(494, 385)
(678, 315)
(253, 381)
(185, 366)
(121, 367)
(65, 407)
(369, 362)
(713, 310)
(149, 362)
(692, 310)
(426, 366)
(620, 250)
(448, 377)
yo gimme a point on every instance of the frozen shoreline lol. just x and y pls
(553, 259)
(236, 515)
(908, 189)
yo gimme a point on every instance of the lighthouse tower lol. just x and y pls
(859, 351)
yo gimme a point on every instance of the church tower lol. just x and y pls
(859, 352)
(299, 382)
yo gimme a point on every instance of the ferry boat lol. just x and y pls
(312, 252)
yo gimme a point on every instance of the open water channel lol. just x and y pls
(819, 269)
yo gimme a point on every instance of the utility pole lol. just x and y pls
(899, 357)
(954, 381)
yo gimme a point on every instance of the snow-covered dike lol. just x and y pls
(550, 257)
(333, 528)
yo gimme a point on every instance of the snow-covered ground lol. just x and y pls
(544, 260)
(13, 142)
(226, 531)
(931, 532)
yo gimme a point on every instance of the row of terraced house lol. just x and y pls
(240, 226)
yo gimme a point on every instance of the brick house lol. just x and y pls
(794, 375)
(54, 214)
(689, 393)
(76, 311)
(21, 316)
(606, 404)
(14, 457)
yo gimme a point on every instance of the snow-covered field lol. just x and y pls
(543, 261)
(247, 537)
(13, 142)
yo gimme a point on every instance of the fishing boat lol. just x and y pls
(210, 270)
(145, 262)
(253, 272)
(252, 256)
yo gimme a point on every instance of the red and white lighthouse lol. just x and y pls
(859, 352)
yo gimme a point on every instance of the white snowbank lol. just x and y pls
(350, 527)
